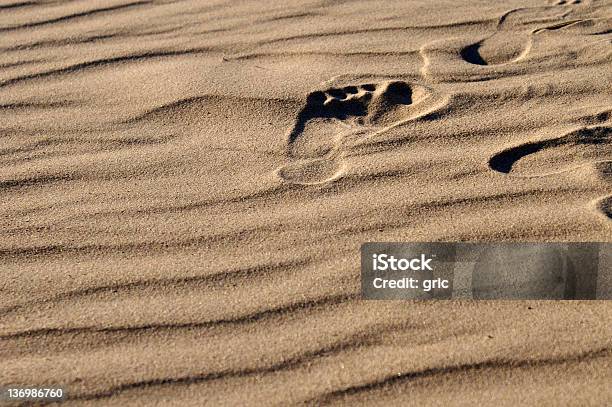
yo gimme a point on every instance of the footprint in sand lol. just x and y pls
(513, 38)
(451, 59)
(604, 205)
(332, 119)
(587, 146)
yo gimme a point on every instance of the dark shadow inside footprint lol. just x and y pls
(342, 103)
(336, 108)
(341, 109)
(472, 55)
(478, 54)
(399, 93)
(605, 206)
(504, 161)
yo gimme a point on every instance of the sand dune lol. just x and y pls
(185, 186)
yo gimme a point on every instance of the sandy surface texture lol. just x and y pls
(185, 185)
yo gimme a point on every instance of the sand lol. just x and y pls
(185, 186)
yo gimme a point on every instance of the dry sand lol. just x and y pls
(185, 186)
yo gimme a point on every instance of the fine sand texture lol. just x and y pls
(185, 186)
